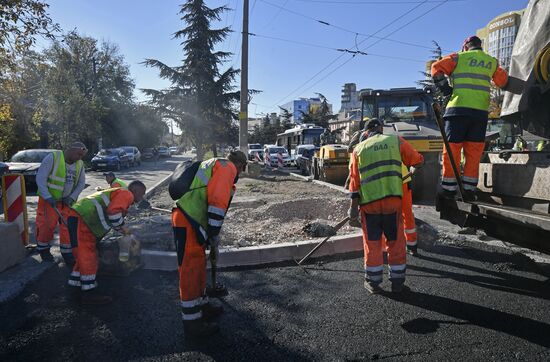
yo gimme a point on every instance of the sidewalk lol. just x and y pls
(469, 302)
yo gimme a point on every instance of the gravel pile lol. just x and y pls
(273, 208)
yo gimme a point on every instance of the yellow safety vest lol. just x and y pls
(380, 168)
(56, 178)
(472, 80)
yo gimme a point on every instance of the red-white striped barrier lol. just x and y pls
(267, 160)
(257, 157)
(280, 161)
(15, 203)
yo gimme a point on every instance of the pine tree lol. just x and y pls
(201, 97)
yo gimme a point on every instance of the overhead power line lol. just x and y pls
(351, 31)
(343, 54)
(371, 45)
(342, 50)
(379, 2)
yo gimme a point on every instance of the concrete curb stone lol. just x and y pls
(260, 255)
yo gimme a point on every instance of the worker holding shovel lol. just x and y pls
(197, 221)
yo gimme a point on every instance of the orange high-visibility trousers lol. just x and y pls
(46, 222)
(408, 216)
(86, 255)
(191, 267)
(379, 219)
(468, 133)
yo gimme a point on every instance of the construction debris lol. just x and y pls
(272, 208)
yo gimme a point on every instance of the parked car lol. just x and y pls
(27, 162)
(147, 154)
(110, 158)
(134, 155)
(304, 154)
(273, 152)
(253, 147)
(164, 151)
(174, 150)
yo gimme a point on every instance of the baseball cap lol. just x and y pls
(374, 123)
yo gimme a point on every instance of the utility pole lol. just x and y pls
(243, 114)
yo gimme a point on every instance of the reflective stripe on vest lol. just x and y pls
(194, 203)
(405, 172)
(472, 80)
(58, 174)
(93, 210)
(380, 168)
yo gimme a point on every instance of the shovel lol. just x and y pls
(336, 228)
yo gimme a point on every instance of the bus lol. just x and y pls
(303, 134)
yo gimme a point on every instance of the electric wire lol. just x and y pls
(353, 56)
(343, 50)
(351, 31)
(299, 88)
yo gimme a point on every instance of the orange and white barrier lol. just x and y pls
(267, 160)
(257, 157)
(15, 203)
(280, 161)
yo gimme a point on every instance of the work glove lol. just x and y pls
(51, 201)
(443, 85)
(68, 201)
(353, 214)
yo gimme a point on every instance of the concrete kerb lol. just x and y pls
(260, 255)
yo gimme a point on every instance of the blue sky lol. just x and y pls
(143, 29)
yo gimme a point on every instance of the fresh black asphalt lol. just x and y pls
(468, 302)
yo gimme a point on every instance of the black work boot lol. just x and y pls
(200, 328)
(218, 291)
(412, 250)
(373, 288)
(447, 194)
(69, 260)
(211, 310)
(92, 297)
(399, 288)
(46, 255)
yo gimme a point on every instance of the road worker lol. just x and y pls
(60, 180)
(376, 189)
(197, 221)
(466, 115)
(113, 181)
(89, 221)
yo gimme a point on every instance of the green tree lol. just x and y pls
(319, 116)
(21, 21)
(286, 119)
(89, 92)
(201, 97)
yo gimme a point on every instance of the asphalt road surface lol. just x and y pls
(468, 302)
(149, 173)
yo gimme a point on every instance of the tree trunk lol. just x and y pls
(200, 152)
(214, 150)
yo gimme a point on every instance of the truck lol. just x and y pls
(513, 202)
(407, 112)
